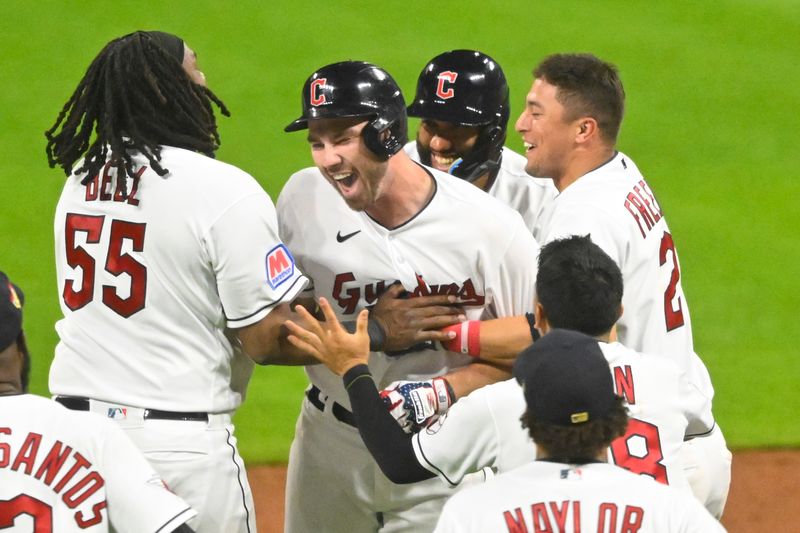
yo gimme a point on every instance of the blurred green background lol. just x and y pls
(711, 87)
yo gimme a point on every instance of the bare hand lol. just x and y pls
(409, 321)
(328, 341)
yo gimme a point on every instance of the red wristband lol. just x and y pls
(467, 339)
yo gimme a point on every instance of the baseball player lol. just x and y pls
(583, 288)
(572, 414)
(462, 101)
(569, 126)
(164, 295)
(65, 471)
(365, 217)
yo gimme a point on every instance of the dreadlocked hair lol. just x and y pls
(136, 97)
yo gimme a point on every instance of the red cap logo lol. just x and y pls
(317, 97)
(446, 77)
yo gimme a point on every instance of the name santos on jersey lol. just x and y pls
(77, 478)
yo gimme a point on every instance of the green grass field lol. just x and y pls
(711, 87)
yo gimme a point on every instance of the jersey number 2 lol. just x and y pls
(673, 315)
(116, 263)
(23, 504)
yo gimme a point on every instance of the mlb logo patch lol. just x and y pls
(280, 266)
(117, 413)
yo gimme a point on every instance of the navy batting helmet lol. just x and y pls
(468, 88)
(357, 89)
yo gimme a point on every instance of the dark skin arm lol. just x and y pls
(406, 321)
(409, 321)
(265, 341)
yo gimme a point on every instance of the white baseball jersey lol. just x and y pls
(66, 471)
(149, 285)
(513, 186)
(547, 496)
(483, 429)
(615, 205)
(463, 242)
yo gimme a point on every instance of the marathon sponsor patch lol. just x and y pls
(279, 265)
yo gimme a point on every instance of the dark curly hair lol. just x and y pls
(581, 441)
(134, 97)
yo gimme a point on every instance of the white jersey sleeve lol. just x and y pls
(480, 430)
(251, 280)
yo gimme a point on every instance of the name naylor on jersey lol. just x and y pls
(60, 468)
(566, 516)
(280, 266)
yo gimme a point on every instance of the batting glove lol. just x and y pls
(418, 404)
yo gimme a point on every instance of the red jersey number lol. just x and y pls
(673, 314)
(41, 512)
(647, 463)
(116, 263)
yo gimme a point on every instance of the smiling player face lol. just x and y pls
(440, 143)
(546, 131)
(340, 154)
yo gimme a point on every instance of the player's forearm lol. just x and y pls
(496, 341)
(474, 376)
(503, 338)
(265, 341)
(389, 445)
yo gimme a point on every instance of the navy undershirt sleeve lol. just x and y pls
(385, 439)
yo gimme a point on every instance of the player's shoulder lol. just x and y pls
(411, 151)
(304, 184)
(468, 197)
(617, 354)
(199, 163)
(606, 182)
(205, 175)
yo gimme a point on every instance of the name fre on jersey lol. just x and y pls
(348, 298)
(643, 207)
(58, 460)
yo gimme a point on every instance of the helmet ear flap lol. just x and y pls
(386, 139)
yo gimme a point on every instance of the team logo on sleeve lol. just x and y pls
(280, 266)
(447, 77)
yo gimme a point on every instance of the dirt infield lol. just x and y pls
(765, 493)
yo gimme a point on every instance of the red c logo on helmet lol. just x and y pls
(317, 98)
(448, 76)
